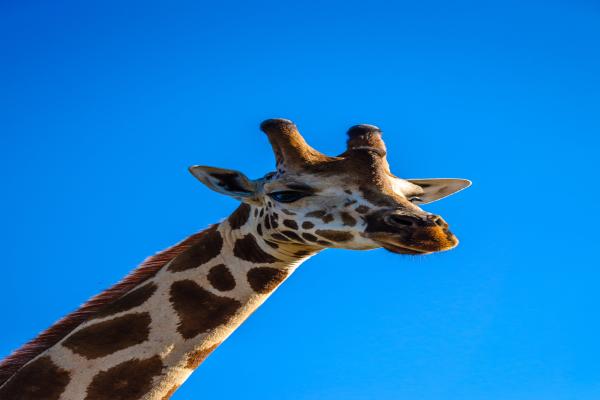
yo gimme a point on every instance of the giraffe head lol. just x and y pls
(351, 201)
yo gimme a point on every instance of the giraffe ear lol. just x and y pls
(438, 188)
(225, 181)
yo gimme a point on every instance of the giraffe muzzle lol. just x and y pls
(409, 233)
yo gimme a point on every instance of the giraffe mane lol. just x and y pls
(61, 328)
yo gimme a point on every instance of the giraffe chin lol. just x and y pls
(394, 248)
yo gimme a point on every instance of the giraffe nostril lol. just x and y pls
(402, 220)
(439, 221)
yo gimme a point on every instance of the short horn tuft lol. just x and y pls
(366, 137)
(290, 148)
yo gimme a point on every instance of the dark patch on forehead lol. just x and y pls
(40, 379)
(130, 380)
(199, 310)
(247, 249)
(336, 236)
(264, 279)
(107, 337)
(362, 209)
(239, 217)
(307, 225)
(195, 358)
(221, 278)
(133, 299)
(205, 248)
(229, 182)
(379, 198)
(290, 224)
(348, 219)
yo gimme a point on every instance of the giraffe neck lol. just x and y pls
(145, 344)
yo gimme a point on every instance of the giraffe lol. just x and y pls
(143, 337)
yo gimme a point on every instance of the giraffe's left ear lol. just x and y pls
(225, 181)
(436, 189)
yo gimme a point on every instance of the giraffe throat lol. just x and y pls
(145, 343)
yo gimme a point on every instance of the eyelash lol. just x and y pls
(287, 196)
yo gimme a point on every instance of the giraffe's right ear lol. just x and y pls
(225, 181)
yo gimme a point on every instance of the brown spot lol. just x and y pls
(327, 218)
(220, 278)
(170, 393)
(195, 358)
(129, 380)
(308, 225)
(40, 379)
(336, 236)
(288, 212)
(265, 279)
(280, 237)
(293, 235)
(267, 222)
(259, 229)
(349, 202)
(239, 216)
(309, 237)
(302, 253)
(290, 224)
(348, 219)
(133, 299)
(323, 242)
(107, 337)
(362, 209)
(247, 249)
(272, 244)
(207, 246)
(198, 309)
(274, 222)
(316, 214)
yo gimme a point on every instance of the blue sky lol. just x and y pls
(104, 105)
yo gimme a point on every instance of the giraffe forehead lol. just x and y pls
(347, 184)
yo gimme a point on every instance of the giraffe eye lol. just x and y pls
(287, 196)
(415, 199)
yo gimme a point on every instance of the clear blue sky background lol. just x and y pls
(103, 105)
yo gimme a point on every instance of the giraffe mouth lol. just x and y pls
(425, 245)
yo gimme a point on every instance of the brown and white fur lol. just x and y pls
(142, 338)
